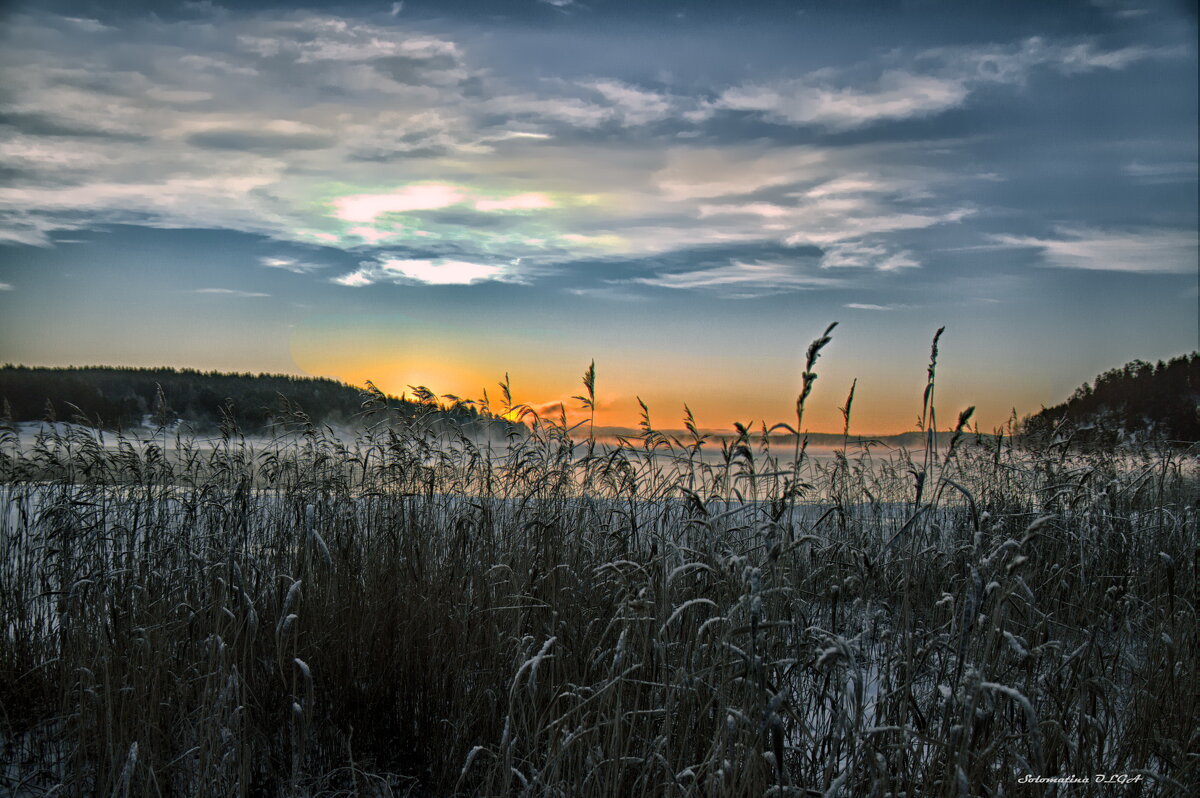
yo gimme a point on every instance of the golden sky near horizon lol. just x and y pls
(423, 194)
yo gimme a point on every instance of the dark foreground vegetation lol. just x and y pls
(421, 612)
(124, 398)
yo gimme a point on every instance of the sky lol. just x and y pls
(444, 193)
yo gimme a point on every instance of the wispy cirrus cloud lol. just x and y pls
(1014, 63)
(871, 306)
(289, 264)
(1115, 250)
(745, 279)
(859, 255)
(931, 82)
(897, 94)
(231, 292)
(1162, 171)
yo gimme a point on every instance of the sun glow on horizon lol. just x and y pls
(469, 354)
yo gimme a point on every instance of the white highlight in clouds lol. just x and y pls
(366, 207)
(289, 264)
(6, 287)
(442, 272)
(1142, 250)
(427, 271)
(356, 279)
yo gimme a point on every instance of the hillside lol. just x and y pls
(1138, 399)
(129, 397)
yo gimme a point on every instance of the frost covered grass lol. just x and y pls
(427, 611)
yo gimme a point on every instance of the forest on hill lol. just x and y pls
(121, 398)
(1137, 400)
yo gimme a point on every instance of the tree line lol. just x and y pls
(1139, 399)
(121, 398)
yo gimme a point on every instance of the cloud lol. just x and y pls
(635, 106)
(598, 102)
(433, 271)
(1138, 250)
(708, 172)
(428, 147)
(289, 264)
(441, 272)
(978, 65)
(39, 124)
(897, 95)
(608, 292)
(870, 306)
(260, 140)
(86, 25)
(858, 255)
(1086, 58)
(356, 279)
(1162, 172)
(6, 287)
(178, 95)
(934, 81)
(518, 202)
(312, 38)
(367, 207)
(572, 111)
(230, 292)
(744, 279)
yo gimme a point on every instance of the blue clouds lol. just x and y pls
(440, 150)
(266, 141)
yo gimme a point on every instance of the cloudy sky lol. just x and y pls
(442, 192)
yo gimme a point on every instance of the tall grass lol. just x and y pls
(430, 609)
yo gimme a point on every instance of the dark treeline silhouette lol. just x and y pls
(117, 398)
(1137, 400)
